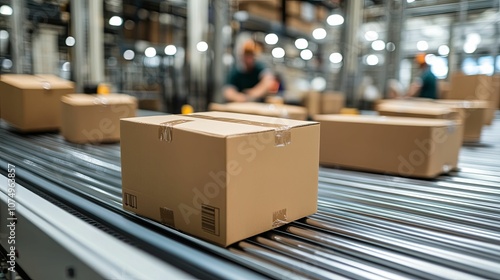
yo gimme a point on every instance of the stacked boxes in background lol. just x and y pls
(262, 109)
(95, 118)
(475, 87)
(32, 102)
(220, 176)
(324, 103)
(413, 147)
(415, 109)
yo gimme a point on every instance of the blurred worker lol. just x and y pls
(426, 85)
(248, 80)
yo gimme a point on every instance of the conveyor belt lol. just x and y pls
(369, 226)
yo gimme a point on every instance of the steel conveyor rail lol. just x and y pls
(368, 226)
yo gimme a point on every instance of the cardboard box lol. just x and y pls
(412, 147)
(332, 102)
(472, 114)
(416, 109)
(262, 109)
(474, 87)
(261, 9)
(444, 89)
(299, 24)
(496, 86)
(312, 102)
(32, 103)
(220, 176)
(95, 118)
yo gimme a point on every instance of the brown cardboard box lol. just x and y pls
(262, 109)
(312, 102)
(444, 89)
(474, 87)
(95, 118)
(299, 24)
(411, 147)
(416, 109)
(220, 176)
(32, 103)
(332, 102)
(472, 114)
(496, 86)
(293, 8)
(261, 9)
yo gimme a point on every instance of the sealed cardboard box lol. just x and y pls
(220, 176)
(332, 102)
(312, 101)
(416, 109)
(472, 114)
(23, 95)
(95, 118)
(413, 147)
(475, 87)
(262, 109)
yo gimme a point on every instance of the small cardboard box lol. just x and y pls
(220, 176)
(412, 147)
(262, 9)
(475, 87)
(95, 118)
(32, 103)
(416, 109)
(472, 114)
(312, 101)
(262, 109)
(332, 102)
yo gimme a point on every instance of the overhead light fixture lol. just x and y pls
(170, 50)
(371, 35)
(202, 46)
(6, 10)
(335, 57)
(301, 43)
(319, 33)
(470, 48)
(443, 50)
(335, 19)
(278, 52)
(128, 55)
(306, 54)
(150, 52)
(422, 46)
(372, 60)
(271, 39)
(115, 21)
(378, 45)
(70, 41)
(4, 34)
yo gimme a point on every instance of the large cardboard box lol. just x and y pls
(496, 86)
(443, 89)
(32, 103)
(413, 147)
(262, 109)
(261, 9)
(220, 176)
(312, 101)
(332, 102)
(95, 118)
(472, 113)
(416, 109)
(474, 87)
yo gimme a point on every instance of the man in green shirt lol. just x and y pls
(426, 86)
(248, 80)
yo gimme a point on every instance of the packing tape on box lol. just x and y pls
(282, 133)
(165, 131)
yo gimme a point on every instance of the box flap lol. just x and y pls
(80, 99)
(46, 82)
(385, 120)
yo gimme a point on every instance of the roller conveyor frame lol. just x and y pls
(369, 226)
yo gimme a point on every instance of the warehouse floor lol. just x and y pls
(368, 226)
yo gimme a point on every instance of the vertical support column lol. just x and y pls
(351, 49)
(464, 5)
(197, 22)
(18, 18)
(453, 64)
(496, 44)
(96, 38)
(219, 44)
(78, 31)
(395, 21)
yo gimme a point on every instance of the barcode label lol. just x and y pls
(210, 219)
(167, 216)
(130, 200)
